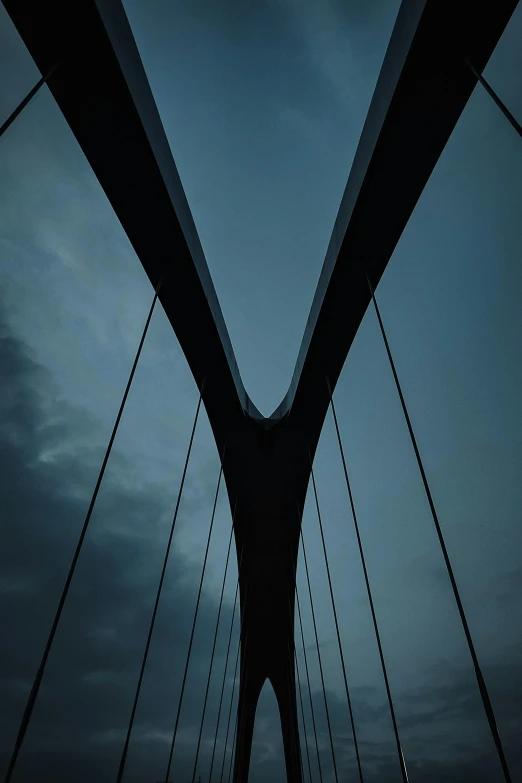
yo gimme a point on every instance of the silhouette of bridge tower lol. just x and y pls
(87, 55)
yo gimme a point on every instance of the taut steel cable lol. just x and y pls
(225, 670)
(293, 659)
(302, 715)
(23, 103)
(352, 721)
(189, 651)
(319, 656)
(491, 92)
(26, 718)
(230, 708)
(239, 718)
(400, 754)
(213, 651)
(305, 657)
(291, 654)
(488, 707)
(158, 596)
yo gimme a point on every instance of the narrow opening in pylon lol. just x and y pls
(267, 758)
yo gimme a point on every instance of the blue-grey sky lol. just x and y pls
(263, 106)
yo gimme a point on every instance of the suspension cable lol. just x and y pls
(352, 721)
(319, 655)
(189, 651)
(158, 595)
(23, 103)
(230, 708)
(502, 106)
(291, 647)
(312, 711)
(400, 754)
(302, 715)
(234, 738)
(225, 671)
(293, 658)
(488, 707)
(26, 718)
(237, 721)
(213, 649)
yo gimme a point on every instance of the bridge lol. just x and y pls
(88, 58)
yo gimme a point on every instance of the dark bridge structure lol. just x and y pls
(89, 60)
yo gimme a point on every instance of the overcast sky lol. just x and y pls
(263, 105)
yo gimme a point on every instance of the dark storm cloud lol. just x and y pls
(442, 726)
(84, 704)
(80, 720)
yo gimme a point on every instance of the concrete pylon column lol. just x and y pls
(249, 689)
(284, 689)
(278, 668)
